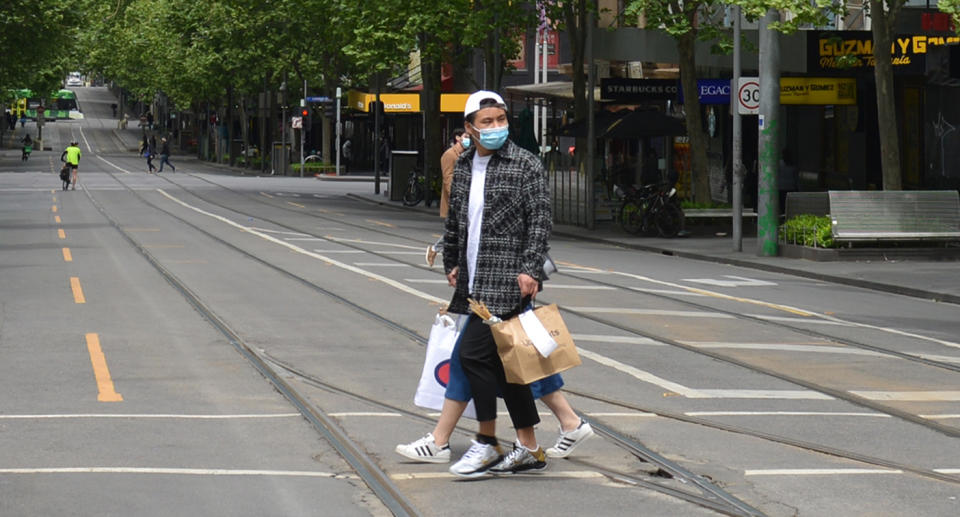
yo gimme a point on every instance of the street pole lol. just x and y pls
(303, 130)
(591, 125)
(283, 128)
(737, 137)
(339, 93)
(768, 144)
(376, 138)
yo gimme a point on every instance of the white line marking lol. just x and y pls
(640, 374)
(947, 471)
(343, 252)
(108, 162)
(302, 239)
(738, 281)
(788, 348)
(362, 413)
(940, 417)
(781, 413)
(176, 471)
(280, 232)
(389, 252)
(763, 394)
(631, 415)
(136, 416)
(940, 358)
(649, 312)
(380, 264)
(630, 340)
(817, 472)
(910, 396)
(549, 286)
(664, 291)
(89, 149)
(328, 260)
(575, 474)
(390, 244)
(426, 280)
(810, 321)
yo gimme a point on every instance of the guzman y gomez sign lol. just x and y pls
(852, 51)
(619, 88)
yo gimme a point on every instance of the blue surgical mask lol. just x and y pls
(493, 138)
(465, 142)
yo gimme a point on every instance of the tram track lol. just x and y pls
(708, 496)
(947, 430)
(263, 358)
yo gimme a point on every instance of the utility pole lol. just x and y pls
(339, 129)
(283, 128)
(768, 213)
(737, 137)
(303, 130)
(591, 124)
(376, 138)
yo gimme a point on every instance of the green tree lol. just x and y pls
(883, 17)
(38, 38)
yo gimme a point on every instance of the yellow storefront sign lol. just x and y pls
(405, 102)
(818, 91)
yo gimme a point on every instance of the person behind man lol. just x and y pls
(346, 153)
(494, 247)
(165, 155)
(458, 144)
(71, 155)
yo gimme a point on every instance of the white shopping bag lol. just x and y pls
(436, 366)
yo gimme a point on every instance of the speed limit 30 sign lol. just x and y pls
(748, 96)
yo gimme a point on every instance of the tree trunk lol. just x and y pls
(882, 22)
(698, 139)
(430, 105)
(575, 17)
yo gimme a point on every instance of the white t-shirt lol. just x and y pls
(475, 214)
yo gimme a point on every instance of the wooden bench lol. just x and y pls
(894, 215)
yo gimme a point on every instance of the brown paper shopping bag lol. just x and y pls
(522, 362)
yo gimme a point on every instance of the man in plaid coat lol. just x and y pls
(494, 249)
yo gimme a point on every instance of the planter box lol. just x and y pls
(867, 254)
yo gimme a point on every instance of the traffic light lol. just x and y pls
(305, 116)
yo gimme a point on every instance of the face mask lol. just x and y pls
(493, 138)
(465, 142)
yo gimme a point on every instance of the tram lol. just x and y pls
(61, 105)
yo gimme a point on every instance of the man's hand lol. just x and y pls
(528, 285)
(452, 276)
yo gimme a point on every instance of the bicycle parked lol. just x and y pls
(650, 208)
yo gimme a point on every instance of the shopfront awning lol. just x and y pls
(558, 90)
(405, 102)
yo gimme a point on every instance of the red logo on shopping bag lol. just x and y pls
(442, 372)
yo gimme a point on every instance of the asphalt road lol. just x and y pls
(797, 396)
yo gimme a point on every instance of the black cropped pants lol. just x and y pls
(482, 366)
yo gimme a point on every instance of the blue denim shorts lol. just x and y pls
(458, 388)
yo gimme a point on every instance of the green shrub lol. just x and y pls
(808, 230)
(314, 167)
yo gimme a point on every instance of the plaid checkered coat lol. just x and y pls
(514, 232)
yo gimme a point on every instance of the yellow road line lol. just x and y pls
(295, 204)
(67, 256)
(54, 199)
(266, 195)
(77, 290)
(57, 219)
(54, 208)
(61, 234)
(106, 392)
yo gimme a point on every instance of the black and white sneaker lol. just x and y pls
(425, 450)
(570, 440)
(521, 459)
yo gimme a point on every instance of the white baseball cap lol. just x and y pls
(473, 101)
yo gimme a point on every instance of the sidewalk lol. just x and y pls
(933, 280)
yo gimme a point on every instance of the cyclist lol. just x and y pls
(71, 155)
(27, 148)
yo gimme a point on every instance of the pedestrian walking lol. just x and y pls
(27, 148)
(459, 142)
(165, 155)
(149, 153)
(144, 144)
(495, 245)
(346, 154)
(71, 155)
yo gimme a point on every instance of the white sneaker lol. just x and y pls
(425, 450)
(570, 440)
(476, 461)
